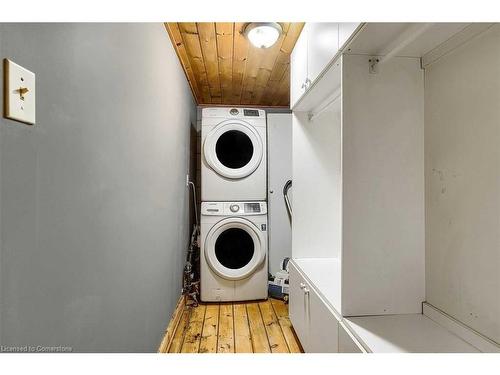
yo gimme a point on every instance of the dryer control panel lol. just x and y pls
(229, 113)
(233, 208)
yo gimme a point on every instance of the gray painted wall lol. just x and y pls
(93, 202)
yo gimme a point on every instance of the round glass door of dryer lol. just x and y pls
(234, 248)
(233, 149)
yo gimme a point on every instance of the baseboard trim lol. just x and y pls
(172, 325)
(466, 333)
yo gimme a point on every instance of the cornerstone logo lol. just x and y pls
(35, 349)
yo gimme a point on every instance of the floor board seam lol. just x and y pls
(218, 328)
(265, 328)
(234, 331)
(202, 327)
(249, 329)
(190, 312)
(281, 327)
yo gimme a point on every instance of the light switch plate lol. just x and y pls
(19, 93)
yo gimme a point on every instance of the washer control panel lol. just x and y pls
(233, 208)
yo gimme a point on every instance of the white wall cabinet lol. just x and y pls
(298, 68)
(322, 45)
(346, 30)
(315, 49)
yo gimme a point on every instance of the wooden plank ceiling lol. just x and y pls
(223, 68)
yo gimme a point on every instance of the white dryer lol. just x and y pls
(233, 154)
(233, 259)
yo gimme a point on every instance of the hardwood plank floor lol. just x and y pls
(240, 327)
(273, 329)
(192, 335)
(225, 337)
(281, 311)
(180, 332)
(242, 338)
(260, 342)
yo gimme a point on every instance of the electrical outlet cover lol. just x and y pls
(19, 93)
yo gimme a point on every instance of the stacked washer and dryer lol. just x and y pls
(233, 235)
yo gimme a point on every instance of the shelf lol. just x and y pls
(428, 41)
(377, 39)
(324, 274)
(409, 333)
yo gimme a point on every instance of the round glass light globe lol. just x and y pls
(263, 36)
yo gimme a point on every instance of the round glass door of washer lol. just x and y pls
(234, 248)
(233, 149)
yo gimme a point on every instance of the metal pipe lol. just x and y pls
(287, 187)
(194, 203)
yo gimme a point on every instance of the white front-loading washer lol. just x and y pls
(233, 153)
(233, 259)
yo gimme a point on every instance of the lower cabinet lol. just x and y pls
(315, 324)
(297, 308)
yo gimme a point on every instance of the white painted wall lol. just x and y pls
(316, 185)
(383, 187)
(462, 147)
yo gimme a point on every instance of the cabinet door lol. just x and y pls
(323, 326)
(347, 342)
(346, 29)
(322, 45)
(298, 306)
(298, 68)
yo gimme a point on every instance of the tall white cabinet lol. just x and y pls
(279, 171)
(358, 238)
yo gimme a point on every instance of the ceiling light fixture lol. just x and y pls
(263, 34)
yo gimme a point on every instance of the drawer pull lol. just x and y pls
(302, 286)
